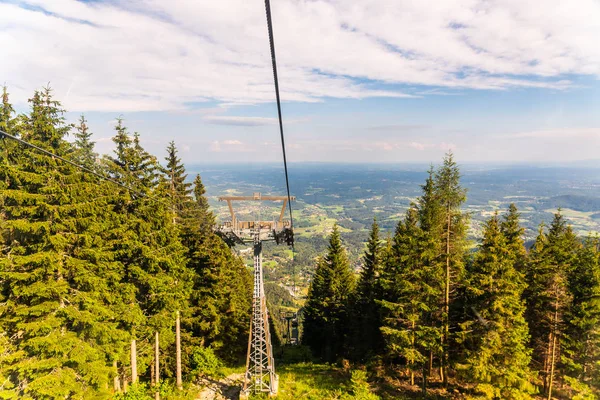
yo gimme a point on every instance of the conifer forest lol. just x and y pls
(97, 276)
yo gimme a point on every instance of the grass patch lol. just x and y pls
(321, 226)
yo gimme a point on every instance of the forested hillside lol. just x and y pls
(90, 271)
(498, 322)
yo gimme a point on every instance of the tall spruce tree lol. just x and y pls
(131, 163)
(7, 119)
(430, 213)
(548, 297)
(513, 233)
(366, 334)
(496, 336)
(7, 349)
(326, 322)
(409, 297)
(84, 146)
(581, 356)
(179, 190)
(451, 195)
(9, 124)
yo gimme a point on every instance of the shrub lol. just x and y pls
(136, 391)
(206, 363)
(359, 387)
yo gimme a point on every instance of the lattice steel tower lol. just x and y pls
(260, 374)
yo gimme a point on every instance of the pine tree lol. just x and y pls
(409, 299)
(179, 190)
(84, 146)
(131, 164)
(450, 196)
(326, 311)
(430, 213)
(497, 335)
(548, 298)
(366, 312)
(207, 219)
(9, 124)
(582, 331)
(513, 232)
(8, 353)
(7, 120)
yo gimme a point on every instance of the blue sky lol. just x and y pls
(364, 81)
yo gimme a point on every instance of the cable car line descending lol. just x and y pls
(287, 180)
(274, 62)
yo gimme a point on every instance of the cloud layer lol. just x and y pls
(156, 55)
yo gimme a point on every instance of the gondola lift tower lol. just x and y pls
(260, 376)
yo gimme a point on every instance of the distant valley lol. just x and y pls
(353, 194)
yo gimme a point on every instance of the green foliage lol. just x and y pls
(136, 391)
(581, 391)
(366, 314)
(294, 354)
(359, 387)
(411, 294)
(581, 355)
(548, 298)
(84, 147)
(165, 389)
(85, 266)
(450, 195)
(513, 234)
(322, 382)
(206, 363)
(496, 335)
(327, 309)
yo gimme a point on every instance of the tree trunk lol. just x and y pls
(134, 376)
(156, 358)
(444, 369)
(116, 380)
(547, 362)
(430, 372)
(412, 371)
(553, 355)
(178, 351)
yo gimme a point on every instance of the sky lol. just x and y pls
(361, 81)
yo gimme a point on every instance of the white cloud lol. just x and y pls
(418, 145)
(447, 146)
(240, 121)
(229, 145)
(156, 55)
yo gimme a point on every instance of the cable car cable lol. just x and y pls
(276, 80)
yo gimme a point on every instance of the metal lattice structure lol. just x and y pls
(260, 376)
(260, 367)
